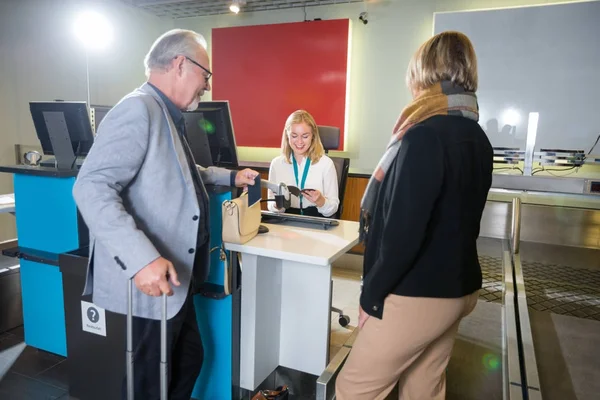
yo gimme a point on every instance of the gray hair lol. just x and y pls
(176, 42)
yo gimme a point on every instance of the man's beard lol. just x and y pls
(193, 106)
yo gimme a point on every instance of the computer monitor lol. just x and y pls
(97, 113)
(63, 129)
(198, 139)
(213, 118)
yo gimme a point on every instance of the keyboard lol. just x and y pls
(50, 162)
(269, 217)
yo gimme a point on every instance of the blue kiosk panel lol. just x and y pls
(215, 320)
(43, 307)
(46, 213)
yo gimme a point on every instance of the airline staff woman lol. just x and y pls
(303, 164)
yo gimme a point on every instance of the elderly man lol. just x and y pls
(143, 199)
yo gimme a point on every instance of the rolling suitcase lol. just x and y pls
(163, 346)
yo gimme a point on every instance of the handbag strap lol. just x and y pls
(229, 206)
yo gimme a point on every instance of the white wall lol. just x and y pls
(41, 60)
(380, 50)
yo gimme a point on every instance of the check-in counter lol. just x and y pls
(48, 224)
(285, 316)
(52, 253)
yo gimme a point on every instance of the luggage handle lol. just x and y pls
(163, 345)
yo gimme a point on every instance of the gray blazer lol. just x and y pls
(136, 194)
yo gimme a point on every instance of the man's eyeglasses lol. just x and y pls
(209, 74)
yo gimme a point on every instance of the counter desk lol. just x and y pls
(286, 290)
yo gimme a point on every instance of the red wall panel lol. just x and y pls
(268, 71)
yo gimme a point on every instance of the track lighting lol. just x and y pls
(236, 5)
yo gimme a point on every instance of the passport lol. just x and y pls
(254, 192)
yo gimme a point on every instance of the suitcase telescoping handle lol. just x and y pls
(163, 345)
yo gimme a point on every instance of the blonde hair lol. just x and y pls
(316, 150)
(446, 56)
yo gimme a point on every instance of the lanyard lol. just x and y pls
(304, 175)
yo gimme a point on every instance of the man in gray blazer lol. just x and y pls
(143, 199)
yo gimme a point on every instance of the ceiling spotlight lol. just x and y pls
(235, 5)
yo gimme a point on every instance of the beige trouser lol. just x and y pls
(410, 345)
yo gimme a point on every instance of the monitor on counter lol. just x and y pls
(63, 129)
(97, 113)
(198, 139)
(211, 136)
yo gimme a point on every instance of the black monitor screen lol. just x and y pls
(76, 118)
(214, 119)
(198, 139)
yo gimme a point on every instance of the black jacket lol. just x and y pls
(422, 238)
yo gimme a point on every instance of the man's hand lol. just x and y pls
(314, 196)
(245, 177)
(152, 279)
(362, 317)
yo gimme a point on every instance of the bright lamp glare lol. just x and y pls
(93, 30)
(234, 8)
(511, 117)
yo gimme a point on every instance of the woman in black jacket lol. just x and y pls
(420, 221)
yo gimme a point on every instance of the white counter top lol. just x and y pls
(301, 242)
(7, 203)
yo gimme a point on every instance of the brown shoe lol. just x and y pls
(281, 393)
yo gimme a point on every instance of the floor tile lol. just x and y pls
(345, 286)
(339, 335)
(18, 332)
(33, 361)
(5, 364)
(19, 387)
(7, 341)
(9, 356)
(57, 375)
(475, 368)
(567, 351)
(346, 274)
(352, 312)
(345, 293)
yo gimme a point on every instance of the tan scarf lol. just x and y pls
(443, 98)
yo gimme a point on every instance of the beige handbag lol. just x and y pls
(240, 222)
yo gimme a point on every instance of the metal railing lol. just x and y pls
(512, 377)
(516, 225)
(520, 372)
(326, 382)
(517, 320)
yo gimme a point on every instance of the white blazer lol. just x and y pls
(321, 176)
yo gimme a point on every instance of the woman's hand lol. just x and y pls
(314, 196)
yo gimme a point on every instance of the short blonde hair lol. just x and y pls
(446, 56)
(316, 150)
